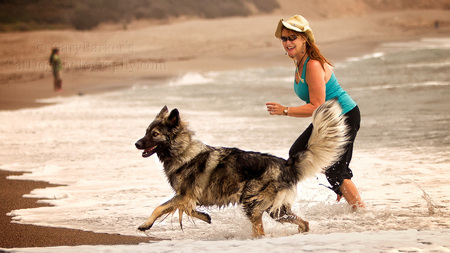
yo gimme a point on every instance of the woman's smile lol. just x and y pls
(292, 44)
(290, 49)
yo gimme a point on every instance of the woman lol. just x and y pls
(56, 64)
(315, 83)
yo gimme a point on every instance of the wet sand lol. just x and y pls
(13, 235)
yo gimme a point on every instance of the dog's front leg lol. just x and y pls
(202, 216)
(165, 208)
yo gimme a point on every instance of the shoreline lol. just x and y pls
(21, 88)
(15, 235)
(103, 60)
(30, 94)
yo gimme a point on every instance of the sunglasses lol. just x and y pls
(290, 38)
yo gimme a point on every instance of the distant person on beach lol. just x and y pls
(316, 83)
(55, 62)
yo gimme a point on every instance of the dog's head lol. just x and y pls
(160, 133)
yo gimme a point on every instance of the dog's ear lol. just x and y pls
(163, 112)
(174, 118)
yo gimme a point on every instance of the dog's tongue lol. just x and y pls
(148, 152)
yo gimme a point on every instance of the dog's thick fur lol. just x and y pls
(202, 175)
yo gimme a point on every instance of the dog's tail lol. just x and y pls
(327, 141)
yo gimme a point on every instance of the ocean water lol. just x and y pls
(401, 160)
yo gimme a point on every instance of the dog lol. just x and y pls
(203, 175)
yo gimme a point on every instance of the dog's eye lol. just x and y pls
(155, 134)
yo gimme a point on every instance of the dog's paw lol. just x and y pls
(303, 228)
(208, 219)
(204, 217)
(144, 227)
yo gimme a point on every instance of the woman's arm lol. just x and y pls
(315, 78)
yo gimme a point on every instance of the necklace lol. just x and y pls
(300, 79)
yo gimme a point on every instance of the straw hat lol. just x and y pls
(296, 23)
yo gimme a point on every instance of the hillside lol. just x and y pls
(345, 8)
(86, 14)
(18, 15)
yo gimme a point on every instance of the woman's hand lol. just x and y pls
(275, 108)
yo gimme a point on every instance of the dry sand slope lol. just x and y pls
(110, 57)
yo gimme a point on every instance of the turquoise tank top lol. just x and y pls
(332, 90)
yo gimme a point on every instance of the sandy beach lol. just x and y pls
(13, 235)
(109, 58)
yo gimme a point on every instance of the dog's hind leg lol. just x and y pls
(257, 224)
(165, 208)
(303, 226)
(285, 215)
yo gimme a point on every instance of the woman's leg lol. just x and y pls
(301, 144)
(339, 175)
(351, 194)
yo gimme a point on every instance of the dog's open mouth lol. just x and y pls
(148, 152)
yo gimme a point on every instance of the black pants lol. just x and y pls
(340, 170)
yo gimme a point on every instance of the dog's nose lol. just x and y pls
(138, 144)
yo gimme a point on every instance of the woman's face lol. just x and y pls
(292, 48)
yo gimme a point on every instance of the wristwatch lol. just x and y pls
(285, 111)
